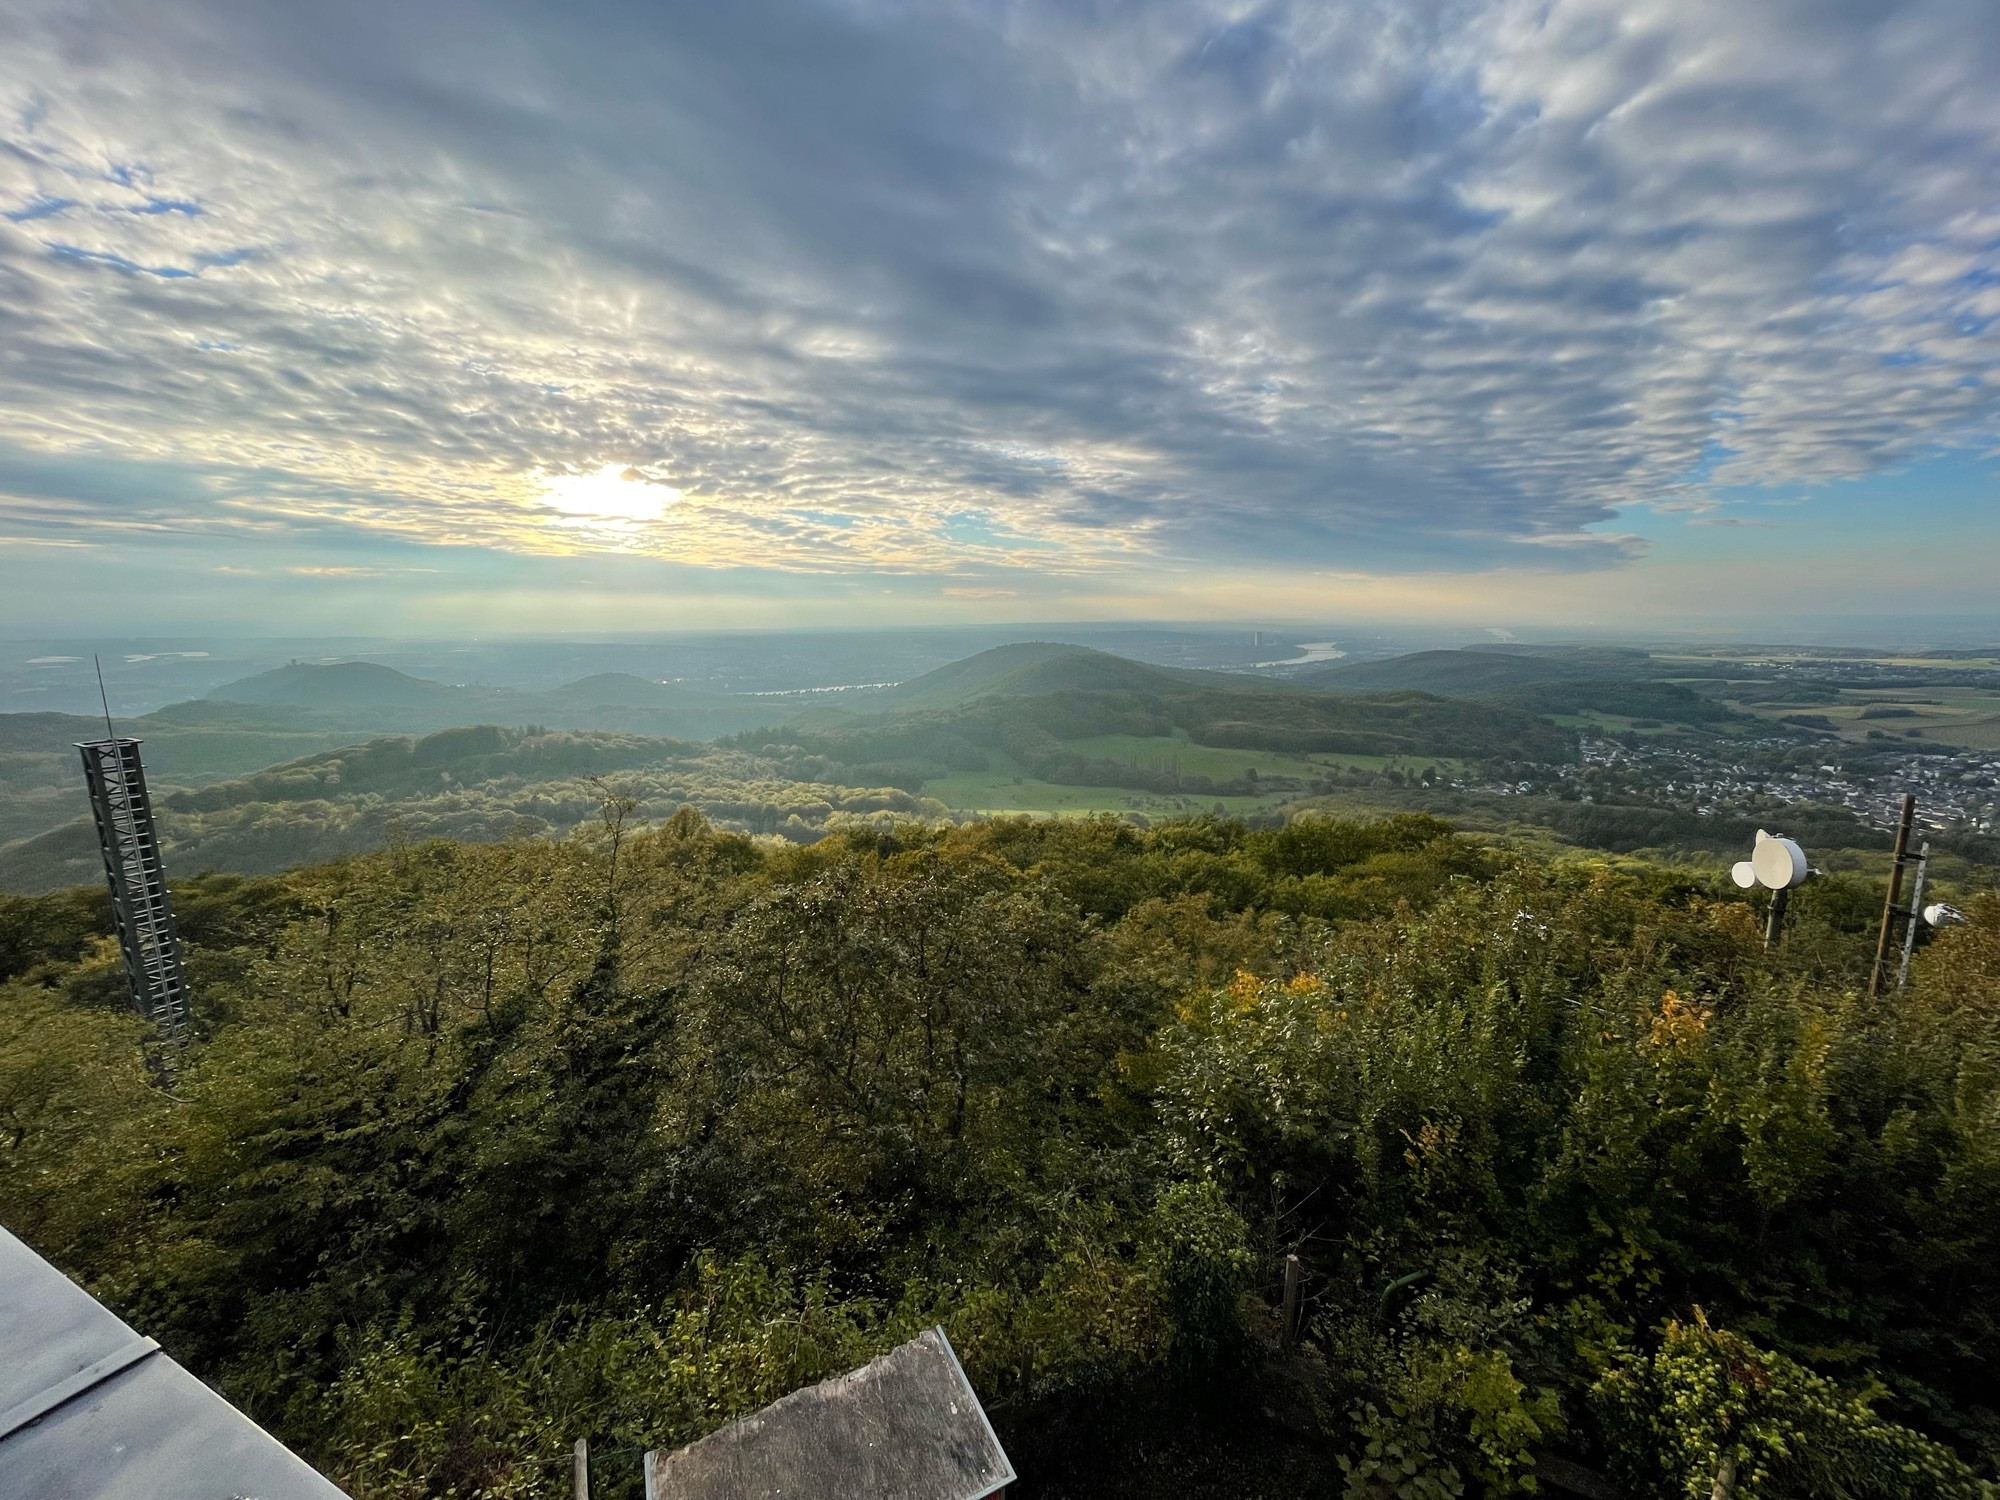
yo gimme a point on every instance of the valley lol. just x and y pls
(1619, 749)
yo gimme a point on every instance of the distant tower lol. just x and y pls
(138, 880)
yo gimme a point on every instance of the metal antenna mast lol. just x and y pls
(130, 842)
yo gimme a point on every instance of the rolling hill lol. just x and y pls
(312, 759)
(340, 685)
(296, 711)
(188, 744)
(1476, 672)
(1034, 702)
(622, 690)
(1548, 682)
(475, 784)
(1034, 668)
(367, 695)
(294, 764)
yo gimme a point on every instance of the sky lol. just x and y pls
(421, 317)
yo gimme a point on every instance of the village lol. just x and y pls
(1958, 790)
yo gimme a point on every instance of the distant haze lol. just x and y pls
(55, 674)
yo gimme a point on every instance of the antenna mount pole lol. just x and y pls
(1889, 907)
(1915, 915)
(1774, 924)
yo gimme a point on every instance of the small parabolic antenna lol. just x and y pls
(1940, 914)
(1777, 864)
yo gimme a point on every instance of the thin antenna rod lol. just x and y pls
(102, 697)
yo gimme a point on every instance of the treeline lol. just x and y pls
(906, 750)
(485, 1148)
(474, 754)
(1668, 702)
(1628, 827)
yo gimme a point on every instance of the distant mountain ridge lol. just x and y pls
(1551, 682)
(1478, 670)
(341, 684)
(1033, 668)
(1032, 701)
(393, 700)
(321, 739)
(41, 782)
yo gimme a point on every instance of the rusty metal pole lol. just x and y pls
(1881, 968)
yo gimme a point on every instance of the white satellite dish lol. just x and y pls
(1743, 873)
(1779, 863)
(1939, 914)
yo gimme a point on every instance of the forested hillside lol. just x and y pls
(1038, 710)
(1591, 747)
(476, 783)
(41, 782)
(486, 1147)
(383, 698)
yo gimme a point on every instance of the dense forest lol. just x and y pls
(483, 1148)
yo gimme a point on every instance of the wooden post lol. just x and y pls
(1288, 1316)
(580, 1468)
(1881, 969)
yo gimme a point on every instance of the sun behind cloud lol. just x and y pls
(613, 497)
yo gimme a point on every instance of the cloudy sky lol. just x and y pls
(429, 315)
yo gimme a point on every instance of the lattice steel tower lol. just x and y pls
(138, 880)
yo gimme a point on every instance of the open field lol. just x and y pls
(1855, 707)
(1810, 656)
(1006, 788)
(1950, 715)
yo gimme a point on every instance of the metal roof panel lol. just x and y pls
(91, 1411)
(50, 1327)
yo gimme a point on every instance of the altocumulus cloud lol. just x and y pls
(1368, 286)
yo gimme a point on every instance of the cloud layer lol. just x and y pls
(988, 286)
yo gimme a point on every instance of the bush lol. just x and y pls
(1716, 1415)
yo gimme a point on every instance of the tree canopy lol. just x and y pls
(486, 1147)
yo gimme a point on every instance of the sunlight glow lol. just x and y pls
(614, 497)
